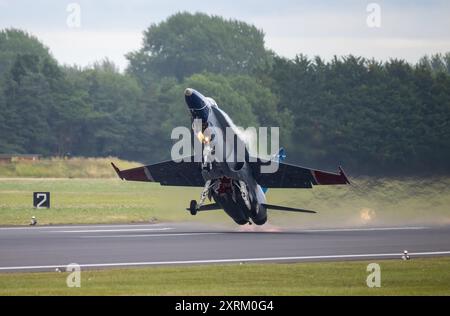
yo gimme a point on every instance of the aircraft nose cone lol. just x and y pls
(188, 92)
(197, 104)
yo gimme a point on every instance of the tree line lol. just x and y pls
(372, 117)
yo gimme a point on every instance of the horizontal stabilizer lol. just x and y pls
(117, 170)
(286, 209)
(208, 207)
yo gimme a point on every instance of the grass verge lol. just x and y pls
(430, 276)
(368, 202)
(64, 168)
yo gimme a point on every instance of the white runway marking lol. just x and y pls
(220, 233)
(88, 227)
(151, 235)
(78, 226)
(111, 230)
(366, 229)
(122, 264)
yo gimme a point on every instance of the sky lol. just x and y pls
(84, 31)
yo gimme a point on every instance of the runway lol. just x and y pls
(105, 246)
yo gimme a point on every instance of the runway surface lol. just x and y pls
(103, 246)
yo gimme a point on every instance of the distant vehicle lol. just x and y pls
(237, 187)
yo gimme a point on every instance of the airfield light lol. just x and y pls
(33, 221)
(406, 255)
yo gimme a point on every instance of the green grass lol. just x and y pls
(64, 168)
(416, 277)
(369, 202)
(92, 201)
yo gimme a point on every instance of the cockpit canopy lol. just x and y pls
(212, 102)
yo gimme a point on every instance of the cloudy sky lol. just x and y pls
(408, 29)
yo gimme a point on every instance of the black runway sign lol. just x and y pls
(41, 199)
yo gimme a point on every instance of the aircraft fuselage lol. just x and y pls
(233, 186)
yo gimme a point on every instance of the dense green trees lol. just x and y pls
(52, 110)
(187, 44)
(436, 63)
(14, 41)
(371, 117)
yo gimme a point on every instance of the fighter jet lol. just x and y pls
(237, 186)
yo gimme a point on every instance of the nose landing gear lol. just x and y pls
(193, 207)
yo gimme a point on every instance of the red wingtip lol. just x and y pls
(342, 173)
(117, 170)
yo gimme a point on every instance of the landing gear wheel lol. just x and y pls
(193, 207)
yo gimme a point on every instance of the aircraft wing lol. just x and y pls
(291, 176)
(168, 173)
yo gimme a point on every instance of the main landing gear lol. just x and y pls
(244, 194)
